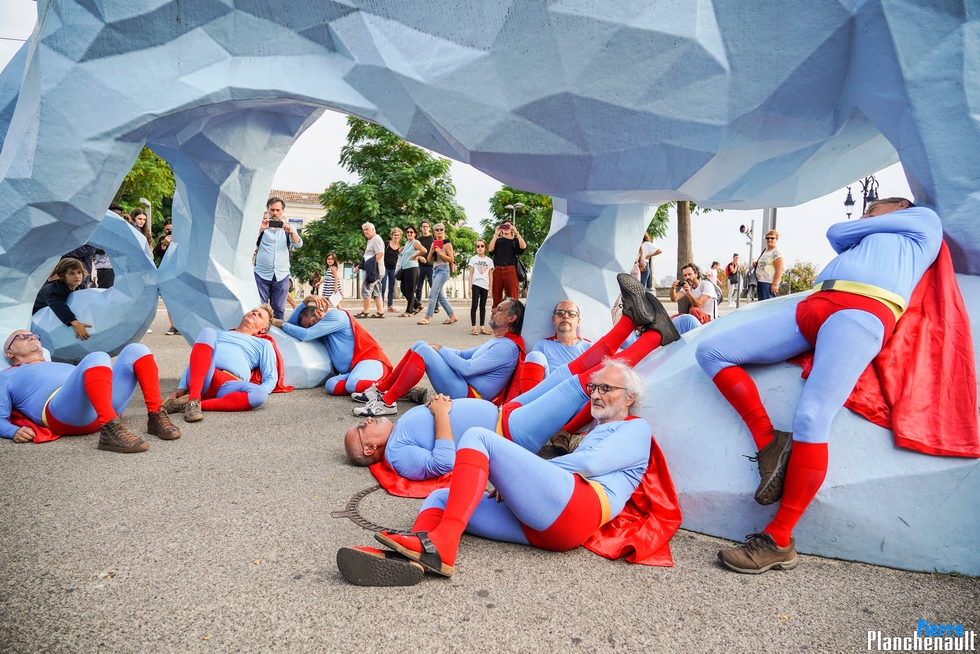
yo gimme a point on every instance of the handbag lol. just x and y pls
(398, 274)
(521, 271)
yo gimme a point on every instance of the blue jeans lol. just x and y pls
(440, 275)
(765, 291)
(274, 292)
(388, 283)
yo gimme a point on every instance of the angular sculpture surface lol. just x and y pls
(609, 106)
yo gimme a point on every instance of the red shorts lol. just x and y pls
(219, 378)
(813, 312)
(64, 429)
(579, 520)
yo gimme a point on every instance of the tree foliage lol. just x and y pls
(152, 178)
(802, 276)
(533, 220)
(399, 185)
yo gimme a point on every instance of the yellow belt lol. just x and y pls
(893, 301)
(600, 492)
(44, 411)
(475, 394)
(500, 422)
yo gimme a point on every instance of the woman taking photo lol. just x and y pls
(769, 267)
(441, 258)
(412, 254)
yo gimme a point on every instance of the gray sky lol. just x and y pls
(312, 165)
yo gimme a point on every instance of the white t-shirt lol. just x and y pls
(374, 246)
(706, 287)
(481, 271)
(646, 249)
(766, 270)
(712, 275)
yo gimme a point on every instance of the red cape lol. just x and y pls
(365, 347)
(256, 377)
(923, 383)
(400, 486)
(513, 387)
(41, 433)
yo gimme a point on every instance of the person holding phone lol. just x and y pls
(276, 240)
(507, 244)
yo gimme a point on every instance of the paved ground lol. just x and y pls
(222, 541)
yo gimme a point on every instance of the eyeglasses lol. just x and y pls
(602, 388)
(480, 246)
(770, 238)
(439, 229)
(26, 337)
(571, 313)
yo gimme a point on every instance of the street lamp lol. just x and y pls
(849, 203)
(513, 210)
(869, 191)
(748, 231)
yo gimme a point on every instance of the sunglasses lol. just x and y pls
(770, 238)
(602, 388)
(439, 229)
(561, 313)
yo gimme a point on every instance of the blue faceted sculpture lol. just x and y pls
(610, 106)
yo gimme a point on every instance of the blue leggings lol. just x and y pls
(71, 405)
(535, 491)
(444, 379)
(366, 370)
(846, 343)
(532, 425)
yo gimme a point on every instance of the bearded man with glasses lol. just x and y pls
(42, 400)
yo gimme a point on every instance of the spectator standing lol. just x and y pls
(734, 276)
(648, 250)
(425, 268)
(481, 279)
(137, 218)
(443, 263)
(330, 286)
(393, 250)
(413, 254)
(163, 242)
(373, 267)
(277, 238)
(769, 267)
(712, 273)
(506, 246)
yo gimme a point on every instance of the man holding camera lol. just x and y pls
(694, 296)
(276, 239)
(507, 244)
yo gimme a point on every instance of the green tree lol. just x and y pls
(533, 220)
(399, 184)
(801, 276)
(152, 178)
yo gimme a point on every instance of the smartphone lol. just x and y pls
(275, 223)
(438, 244)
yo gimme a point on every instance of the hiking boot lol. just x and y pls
(159, 425)
(114, 437)
(366, 395)
(773, 460)
(175, 404)
(645, 310)
(759, 553)
(376, 408)
(192, 411)
(418, 395)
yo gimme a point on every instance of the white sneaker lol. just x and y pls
(376, 408)
(149, 331)
(367, 395)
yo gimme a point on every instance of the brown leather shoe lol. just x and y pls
(175, 404)
(759, 553)
(565, 443)
(114, 437)
(192, 411)
(773, 460)
(159, 425)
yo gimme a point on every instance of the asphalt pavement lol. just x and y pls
(223, 541)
